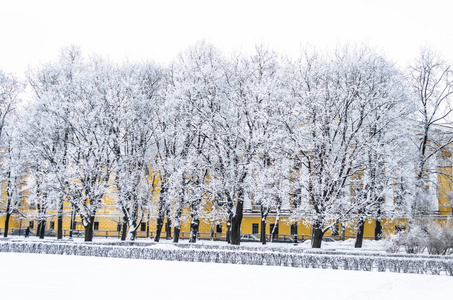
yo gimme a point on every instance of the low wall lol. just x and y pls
(241, 255)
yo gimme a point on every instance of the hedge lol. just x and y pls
(300, 258)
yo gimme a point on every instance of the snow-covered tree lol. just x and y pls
(265, 88)
(47, 130)
(336, 104)
(385, 143)
(73, 95)
(191, 90)
(10, 153)
(431, 81)
(242, 129)
(131, 92)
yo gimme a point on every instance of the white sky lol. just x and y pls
(33, 32)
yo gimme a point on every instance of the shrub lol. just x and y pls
(394, 242)
(440, 241)
(416, 240)
(437, 239)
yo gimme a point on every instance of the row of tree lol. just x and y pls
(340, 137)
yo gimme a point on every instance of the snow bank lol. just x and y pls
(59, 278)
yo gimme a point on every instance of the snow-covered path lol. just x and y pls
(37, 276)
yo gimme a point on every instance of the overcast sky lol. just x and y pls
(33, 32)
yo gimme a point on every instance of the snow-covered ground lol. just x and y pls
(39, 276)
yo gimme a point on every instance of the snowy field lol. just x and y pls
(38, 276)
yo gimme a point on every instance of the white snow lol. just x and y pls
(38, 276)
(165, 246)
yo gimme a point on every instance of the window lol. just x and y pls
(444, 160)
(219, 228)
(96, 225)
(52, 225)
(293, 229)
(32, 224)
(142, 226)
(255, 228)
(400, 228)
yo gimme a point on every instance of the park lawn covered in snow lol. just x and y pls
(39, 276)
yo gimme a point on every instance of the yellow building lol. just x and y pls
(108, 220)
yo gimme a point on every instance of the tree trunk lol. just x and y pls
(159, 224)
(42, 229)
(343, 232)
(132, 232)
(60, 221)
(71, 226)
(176, 231)
(228, 232)
(124, 229)
(264, 213)
(132, 235)
(211, 238)
(378, 230)
(378, 224)
(263, 227)
(274, 232)
(8, 207)
(194, 226)
(360, 229)
(177, 226)
(8, 215)
(38, 228)
(168, 228)
(181, 201)
(317, 235)
(160, 215)
(89, 230)
(263, 230)
(237, 219)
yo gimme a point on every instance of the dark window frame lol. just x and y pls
(294, 229)
(255, 228)
(143, 226)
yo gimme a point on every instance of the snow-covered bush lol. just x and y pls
(437, 239)
(394, 242)
(416, 240)
(440, 239)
